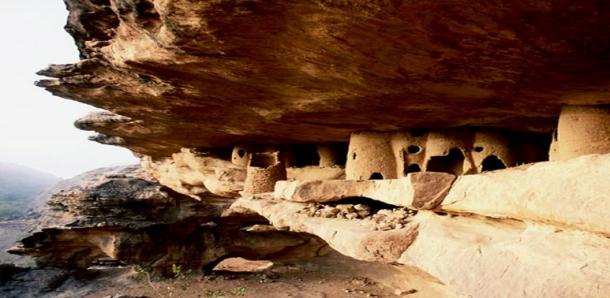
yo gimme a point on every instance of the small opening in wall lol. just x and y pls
(376, 176)
(241, 153)
(413, 149)
(451, 163)
(412, 168)
(492, 163)
(354, 155)
(478, 149)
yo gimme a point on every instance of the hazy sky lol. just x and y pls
(36, 128)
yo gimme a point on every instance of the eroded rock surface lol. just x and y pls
(507, 227)
(573, 193)
(199, 74)
(200, 90)
(357, 239)
(471, 254)
(417, 190)
(126, 215)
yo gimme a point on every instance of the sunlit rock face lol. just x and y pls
(208, 74)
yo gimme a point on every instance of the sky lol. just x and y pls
(36, 128)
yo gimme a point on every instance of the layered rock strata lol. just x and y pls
(417, 190)
(572, 194)
(200, 90)
(198, 74)
(542, 192)
(125, 215)
(471, 255)
(506, 227)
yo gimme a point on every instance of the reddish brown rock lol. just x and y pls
(201, 74)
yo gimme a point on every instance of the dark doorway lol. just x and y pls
(492, 163)
(412, 168)
(376, 176)
(452, 163)
(304, 155)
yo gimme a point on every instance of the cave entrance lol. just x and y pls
(492, 163)
(452, 163)
(376, 176)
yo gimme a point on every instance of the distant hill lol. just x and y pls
(19, 188)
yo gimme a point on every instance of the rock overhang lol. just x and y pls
(198, 74)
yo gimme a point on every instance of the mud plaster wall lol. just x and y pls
(580, 131)
(490, 146)
(409, 151)
(240, 155)
(447, 151)
(264, 169)
(458, 151)
(370, 154)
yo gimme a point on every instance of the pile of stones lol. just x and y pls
(385, 219)
(345, 211)
(393, 219)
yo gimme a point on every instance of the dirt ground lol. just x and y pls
(317, 278)
(330, 276)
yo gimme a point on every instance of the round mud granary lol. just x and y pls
(370, 156)
(446, 152)
(263, 171)
(240, 156)
(490, 151)
(583, 130)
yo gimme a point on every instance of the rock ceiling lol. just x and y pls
(214, 73)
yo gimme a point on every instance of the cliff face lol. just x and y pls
(208, 74)
(415, 133)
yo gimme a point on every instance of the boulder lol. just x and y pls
(573, 193)
(417, 190)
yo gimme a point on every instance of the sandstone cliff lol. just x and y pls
(467, 141)
(187, 73)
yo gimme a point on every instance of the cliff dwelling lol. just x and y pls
(464, 142)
